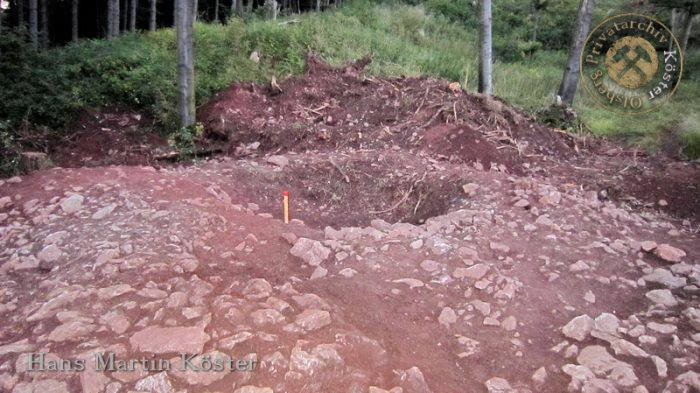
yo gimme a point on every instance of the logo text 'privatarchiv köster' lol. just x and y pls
(631, 64)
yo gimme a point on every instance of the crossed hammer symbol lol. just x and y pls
(631, 64)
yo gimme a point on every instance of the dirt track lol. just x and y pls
(499, 247)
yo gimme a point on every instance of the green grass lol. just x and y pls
(138, 70)
(530, 84)
(680, 117)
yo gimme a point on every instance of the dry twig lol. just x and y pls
(397, 204)
(404, 198)
(336, 166)
(415, 209)
(433, 118)
(422, 101)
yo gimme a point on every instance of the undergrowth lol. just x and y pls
(49, 88)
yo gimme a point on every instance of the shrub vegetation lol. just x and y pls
(436, 37)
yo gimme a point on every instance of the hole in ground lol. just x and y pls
(322, 196)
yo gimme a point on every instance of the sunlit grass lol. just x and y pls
(138, 69)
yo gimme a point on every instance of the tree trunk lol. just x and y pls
(567, 90)
(116, 19)
(270, 8)
(74, 20)
(34, 23)
(216, 11)
(110, 15)
(110, 19)
(152, 20)
(195, 10)
(184, 17)
(20, 13)
(485, 56)
(318, 5)
(687, 30)
(124, 14)
(536, 26)
(34, 161)
(44, 24)
(132, 15)
(675, 21)
(114, 9)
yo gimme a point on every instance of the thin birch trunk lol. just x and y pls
(485, 51)
(152, 19)
(184, 17)
(74, 20)
(34, 23)
(132, 15)
(569, 83)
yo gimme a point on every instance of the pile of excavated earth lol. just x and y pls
(439, 242)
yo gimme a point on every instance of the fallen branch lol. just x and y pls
(176, 155)
(319, 108)
(304, 111)
(422, 101)
(336, 166)
(415, 209)
(389, 83)
(433, 118)
(167, 156)
(404, 198)
(397, 204)
(289, 22)
(583, 169)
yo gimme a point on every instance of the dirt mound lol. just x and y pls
(533, 283)
(341, 112)
(330, 109)
(468, 145)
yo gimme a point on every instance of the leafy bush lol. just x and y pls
(690, 135)
(281, 47)
(516, 22)
(184, 138)
(691, 68)
(691, 144)
(9, 150)
(438, 38)
(558, 116)
(34, 85)
(136, 70)
(463, 11)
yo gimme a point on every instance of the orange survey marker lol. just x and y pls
(286, 207)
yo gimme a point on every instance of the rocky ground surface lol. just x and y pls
(404, 269)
